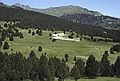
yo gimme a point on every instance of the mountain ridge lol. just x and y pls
(102, 21)
(77, 14)
(59, 11)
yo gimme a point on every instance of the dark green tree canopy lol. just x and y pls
(91, 68)
(6, 45)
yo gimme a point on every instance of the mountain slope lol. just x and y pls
(103, 21)
(42, 21)
(59, 11)
(79, 15)
(32, 19)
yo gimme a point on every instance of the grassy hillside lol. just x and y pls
(80, 49)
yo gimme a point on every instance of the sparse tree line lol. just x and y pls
(16, 67)
(38, 32)
(115, 48)
(10, 31)
(92, 38)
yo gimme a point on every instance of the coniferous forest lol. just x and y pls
(16, 67)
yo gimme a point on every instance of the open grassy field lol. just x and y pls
(98, 79)
(80, 49)
(2, 23)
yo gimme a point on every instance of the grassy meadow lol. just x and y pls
(98, 79)
(58, 48)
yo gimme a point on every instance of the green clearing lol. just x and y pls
(98, 79)
(80, 49)
(2, 23)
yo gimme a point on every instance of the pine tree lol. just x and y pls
(3, 77)
(75, 58)
(66, 57)
(91, 68)
(11, 38)
(63, 71)
(75, 73)
(111, 50)
(70, 36)
(37, 31)
(77, 35)
(1, 42)
(106, 69)
(117, 67)
(57, 63)
(50, 34)
(14, 76)
(21, 35)
(43, 67)
(92, 37)
(3, 35)
(6, 45)
(5, 25)
(39, 48)
(53, 40)
(32, 54)
(29, 31)
(80, 64)
(33, 65)
(51, 71)
(33, 33)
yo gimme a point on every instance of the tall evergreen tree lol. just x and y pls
(51, 71)
(33, 65)
(29, 31)
(6, 45)
(1, 42)
(5, 25)
(33, 33)
(3, 35)
(37, 31)
(75, 73)
(3, 77)
(11, 38)
(50, 34)
(117, 67)
(75, 58)
(80, 64)
(111, 50)
(56, 62)
(63, 71)
(21, 35)
(43, 68)
(106, 69)
(39, 48)
(91, 68)
(53, 40)
(66, 57)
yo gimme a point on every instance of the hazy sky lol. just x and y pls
(107, 7)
